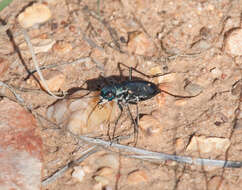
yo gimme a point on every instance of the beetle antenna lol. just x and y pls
(178, 96)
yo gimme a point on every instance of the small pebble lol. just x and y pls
(180, 144)
(238, 124)
(62, 47)
(181, 102)
(161, 97)
(137, 177)
(216, 72)
(39, 46)
(35, 14)
(102, 180)
(54, 80)
(237, 88)
(211, 145)
(233, 43)
(104, 175)
(193, 89)
(78, 173)
(167, 78)
(202, 45)
(57, 112)
(108, 160)
(105, 171)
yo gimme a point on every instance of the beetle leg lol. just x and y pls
(116, 122)
(135, 125)
(148, 76)
(130, 73)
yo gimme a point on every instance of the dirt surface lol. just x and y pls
(186, 40)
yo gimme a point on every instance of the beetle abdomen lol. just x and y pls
(139, 90)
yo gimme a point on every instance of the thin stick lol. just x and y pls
(157, 156)
(61, 171)
(135, 125)
(27, 39)
(18, 97)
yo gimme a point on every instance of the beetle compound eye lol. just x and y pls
(109, 95)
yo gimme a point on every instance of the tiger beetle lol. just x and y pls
(128, 92)
(132, 92)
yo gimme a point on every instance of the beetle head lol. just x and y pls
(107, 94)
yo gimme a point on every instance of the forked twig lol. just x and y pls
(27, 39)
(17, 96)
(157, 156)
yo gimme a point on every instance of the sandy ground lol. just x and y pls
(186, 39)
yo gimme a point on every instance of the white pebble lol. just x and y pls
(78, 173)
(35, 14)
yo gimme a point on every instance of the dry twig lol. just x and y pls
(157, 156)
(26, 37)
(17, 96)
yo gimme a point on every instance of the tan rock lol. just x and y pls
(102, 180)
(78, 173)
(107, 161)
(193, 89)
(137, 177)
(35, 14)
(104, 175)
(62, 47)
(181, 102)
(39, 46)
(180, 144)
(168, 78)
(205, 145)
(54, 80)
(161, 97)
(105, 171)
(58, 112)
(233, 43)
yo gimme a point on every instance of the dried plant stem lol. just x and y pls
(27, 39)
(157, 156)
(17, 96)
